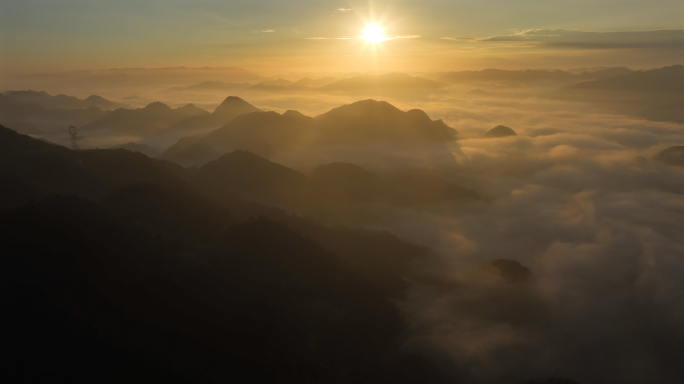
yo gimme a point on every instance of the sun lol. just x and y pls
(373, 34)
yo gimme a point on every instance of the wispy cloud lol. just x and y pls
(343, 10)
(566, 38)
(328, 38)
(265, 31)
(459, 38)
(407, 37)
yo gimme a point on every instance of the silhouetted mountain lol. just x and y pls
(137, 147)
(672, 156)
(91, 173)
(668, 79)
(500, 131)
(367, 122)
(144, 121)
(511, 271)
(160, 282)
(390, 82)
(249, 175)
(344, 182)
(62, 101)
(163, 306)
(191, 110)
(373, 121)
(32, 118)
(258, 131)
(552, 381)
(231, 107)
(250, 131)
(191, 150)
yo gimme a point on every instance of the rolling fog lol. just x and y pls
(575, 196)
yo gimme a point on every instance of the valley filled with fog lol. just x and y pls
(536, 216)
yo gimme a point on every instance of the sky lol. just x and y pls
(273, 36)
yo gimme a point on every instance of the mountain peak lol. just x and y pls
(192, 110)
(157, 106)
(234, 106)
(500, 131)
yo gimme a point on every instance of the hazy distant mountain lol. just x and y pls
(366, 122)
(315, 83)
(488, 75)
(144, 121)
(607, 72)
(280, 82)
(577, 71)
(668, 79)
(500, 75)
(672, 156)
(389, 82)
(656, 95)
(141, 77)
(137, 147)
(500, 131)
(211, 86)
(32, 118)
(276, 88)
(62, 101)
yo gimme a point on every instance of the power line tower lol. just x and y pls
(74, 137)
(267, 147)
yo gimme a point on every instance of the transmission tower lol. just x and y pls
(74, 137)
(267, 147)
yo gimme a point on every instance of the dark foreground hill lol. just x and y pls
(33, 118)
(118, 268)
(138, 276)
(137, 147)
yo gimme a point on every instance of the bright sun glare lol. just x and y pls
(373, 34)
